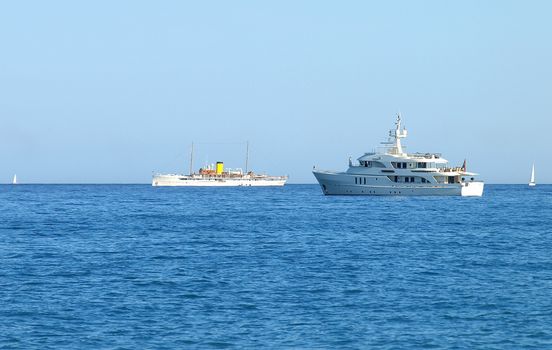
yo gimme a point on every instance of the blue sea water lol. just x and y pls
(136, 267)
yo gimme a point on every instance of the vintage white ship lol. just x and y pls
(393, 172)
(217, 175)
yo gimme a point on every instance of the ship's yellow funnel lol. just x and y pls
(220, 168)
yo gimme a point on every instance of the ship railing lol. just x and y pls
(425, 155)
(449, 169)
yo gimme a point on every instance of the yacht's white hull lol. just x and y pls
(179, 180)
(344, 184)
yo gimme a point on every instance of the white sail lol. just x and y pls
(532, 181)
(14, 181)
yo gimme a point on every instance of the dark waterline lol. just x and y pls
(131, 266)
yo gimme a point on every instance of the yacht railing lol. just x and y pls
(425, 155)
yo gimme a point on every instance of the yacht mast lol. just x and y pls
(192, 160)
(396, 135)
(246, 156)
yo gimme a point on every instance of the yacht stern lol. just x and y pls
(472, 189)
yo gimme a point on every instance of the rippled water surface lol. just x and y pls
(131, 266)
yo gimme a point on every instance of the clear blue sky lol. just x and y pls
(108, 91)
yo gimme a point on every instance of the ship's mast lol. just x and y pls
(246, 156)
(396, 135)
(192, 160)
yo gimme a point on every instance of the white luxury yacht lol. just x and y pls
(393, 172)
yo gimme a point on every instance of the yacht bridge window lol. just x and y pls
(421, 165)
(398, 165)
(377, 164)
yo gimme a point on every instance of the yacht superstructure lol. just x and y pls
(393, 172)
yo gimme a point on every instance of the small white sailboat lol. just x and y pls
(532, 181)
(14, 181)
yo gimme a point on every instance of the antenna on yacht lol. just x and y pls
(396, 135)
(399, 120)
(192, 160)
